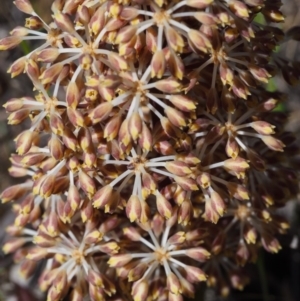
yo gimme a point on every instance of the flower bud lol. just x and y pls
(199, 40)
(101, 112)
(24, 141)
(194, 274)
(24, 6)
(178, 168)
(182, 102)
(17, 66)
(262, 127)
(102, 196)
(117, 62)
(75, 117)
(163, 206)
(18, 116)
(186, 183)
(239, 9)
(176, 65)
(199, 254)
(117, 261)
(169, 85)
(140, 290)
(177, 238)
(199, 3)
(51, 74)
(34, 23)
(48, 55)
(97, 21)
(135, 125)
(273, 143)
(174, 39)
(12, 245)
(133, 208)
(63, 22)
(86, 183)
(13, 192)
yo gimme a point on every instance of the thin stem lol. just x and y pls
(179, 25)
(119, 178)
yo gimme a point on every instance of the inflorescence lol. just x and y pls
(155, 159)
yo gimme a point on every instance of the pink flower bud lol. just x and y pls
(24, 6)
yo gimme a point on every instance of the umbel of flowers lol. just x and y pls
(155, 159)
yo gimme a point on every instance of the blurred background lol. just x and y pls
(273, 278)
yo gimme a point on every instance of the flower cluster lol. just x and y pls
(155, 159)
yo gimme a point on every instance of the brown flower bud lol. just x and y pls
(145, 139)
(237, 165)
(56, 124)
(173, 284)
(133, 208)
(48, 55)
(206, 18)
(69, 139)
(34, 23)
(182, 102)
(176, 65)
(137, 272)
(101, 112)
(31, 159)
(37, 253)
(24, 141)
(95, 278)
(204, 180)
(117, 62)
(24, 6)
(97, 21)
(75, 117)
(174, 39)
(263, 127)
(10, 42)
(56, 148)
(185, 212)
(51, 74)
(140, 290)
(102, 196)
(158, 64)
(117, 261)
(163, 206)
(194, 274)
(87, 183)
(32, 70)
(239, 9)
(169, 85)
(63, 22)
(199, 40)
(14, 104)
(232, 148)
(18, 116)
(273, 143)
(12, 245)
(132, 233)
(135, 125)
(178, 168)
(17, 66)
(199, 3)
(176, 117)
(186, 183)
(199, 254)
(125, 34)
(85, 139)
(238, 191)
